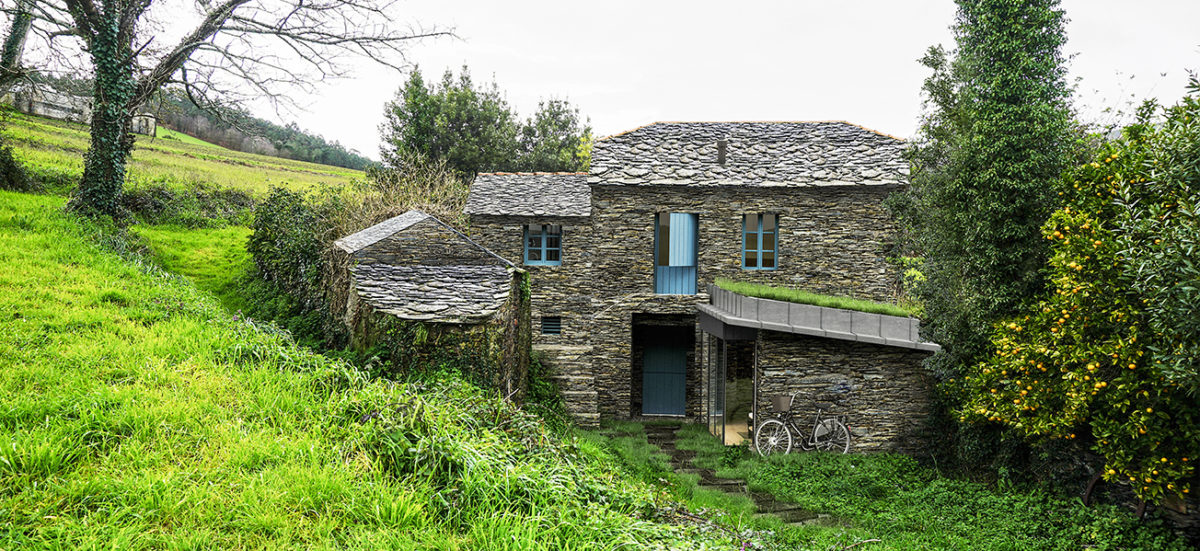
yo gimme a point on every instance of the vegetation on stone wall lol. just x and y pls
(1109, 354)
(474, 130)
(292, 243)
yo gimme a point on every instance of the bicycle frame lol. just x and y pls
(807, 440)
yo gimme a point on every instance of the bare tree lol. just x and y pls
(237, 50)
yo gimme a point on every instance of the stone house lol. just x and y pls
(622, 260)
(416, 269)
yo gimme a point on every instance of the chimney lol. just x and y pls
(722, 148)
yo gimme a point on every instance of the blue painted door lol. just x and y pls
(664, 378)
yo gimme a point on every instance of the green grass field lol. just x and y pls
(137, 414)
(168, 134)
(215, 259)
(53, 151)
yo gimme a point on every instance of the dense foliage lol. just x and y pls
(474, 130)
(292, 243)
(1109, 354)
(997, 134)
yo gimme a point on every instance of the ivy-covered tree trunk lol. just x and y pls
(14, 45)
(115, 88)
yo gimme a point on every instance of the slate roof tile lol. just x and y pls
(558, 194)
(794, 154)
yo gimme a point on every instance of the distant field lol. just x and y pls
(168, 134)
(53, 150)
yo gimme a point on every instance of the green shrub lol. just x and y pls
(192, 206)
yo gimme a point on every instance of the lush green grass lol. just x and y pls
(805, 297)
(215, 259)
(893, 499)
(136, 414)
(53, 152)
(168, 134)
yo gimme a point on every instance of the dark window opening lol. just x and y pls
(551, 325)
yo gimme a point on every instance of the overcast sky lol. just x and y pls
(629, 63)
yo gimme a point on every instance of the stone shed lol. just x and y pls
(414, 274)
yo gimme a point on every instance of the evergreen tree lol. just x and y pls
(997, 134)
(474, 130)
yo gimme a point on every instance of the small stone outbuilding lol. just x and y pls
(415, 270)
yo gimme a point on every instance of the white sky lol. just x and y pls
(628, 63)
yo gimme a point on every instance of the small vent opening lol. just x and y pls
(722, 149)
(551, 325)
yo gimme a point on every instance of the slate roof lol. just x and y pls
(531, 194)
(444, 294)
(416, 267)
(357, 241)
(797, 154)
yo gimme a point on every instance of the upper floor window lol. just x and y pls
(543, 244)
(759, 241)
(675, 253)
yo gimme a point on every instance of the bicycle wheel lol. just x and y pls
(772, 437)
(832, 436)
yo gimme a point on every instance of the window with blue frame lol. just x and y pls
(543, 244)
(675, 251)
(759, 241)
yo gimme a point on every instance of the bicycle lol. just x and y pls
(775, 435)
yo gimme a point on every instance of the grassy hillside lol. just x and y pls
(53, 151)
(135, 414)
(168, 134)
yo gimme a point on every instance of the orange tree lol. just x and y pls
(1107, 354)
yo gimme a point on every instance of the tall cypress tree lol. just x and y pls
(997, 132)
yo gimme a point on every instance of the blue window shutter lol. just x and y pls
(683, 239)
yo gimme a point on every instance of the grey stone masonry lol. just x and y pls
(791, 154)
(884, 392)
(445, 294)
(562, 291)
(530, 194)
(825, 181)
(415, 267)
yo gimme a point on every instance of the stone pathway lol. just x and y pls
(663, 436)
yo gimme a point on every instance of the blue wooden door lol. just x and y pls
(664, 378)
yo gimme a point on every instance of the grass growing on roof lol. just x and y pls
(785, 294)
(137, 414)
(53, 152)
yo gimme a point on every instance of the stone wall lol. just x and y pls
(496, 351)
(556, 291)
(830, 241)
(884, 392)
